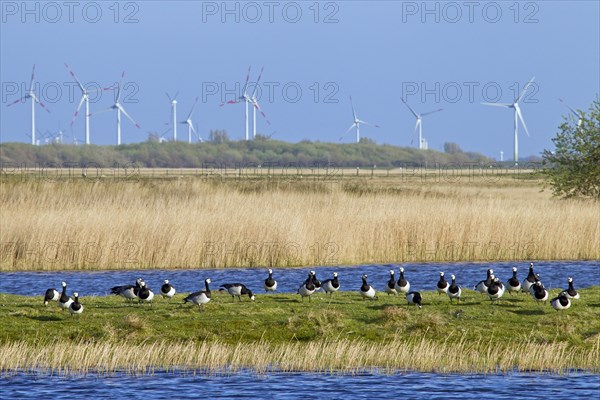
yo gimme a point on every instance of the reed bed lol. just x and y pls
(338, 356)
(193, 222)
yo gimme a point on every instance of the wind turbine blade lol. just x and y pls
(77, 111)
(410, 108)
(128, 116)
(75, 77)
(247, 79)
(524, 90)
(368, 123)
(571, 109)
(257, 106)
(432, 112)
(32, 76)
(101, 111)
(22, 99)
(238, 100)
(257, 81)
(192, 110)
(34, 97)
(194, 129)
(504, 105)
(518, 111)
(346, 133)
(119, 87)
(353, 112)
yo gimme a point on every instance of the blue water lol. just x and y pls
(421, 277)
(248, 385)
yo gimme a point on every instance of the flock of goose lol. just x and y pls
(491, 286)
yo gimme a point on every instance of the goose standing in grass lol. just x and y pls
(366, 290)
(513, 284)
(75, 307)
(307, 288)
(331, 285)
(270, 283)
(562, 302)
(237, 289)
(167, 290)
(442, 285)
(402, 286)
(454, 291)
(571, 293)
(482, 286)
(129, 292)
(495, 290)
(532, 287)
(540, 294)
(200, 298)
(414, 298)
(64, 301)
(145, 294)
(51, 295)
(390, 287)
(530, 280)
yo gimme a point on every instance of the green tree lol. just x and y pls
(452, 148)
(573, 169)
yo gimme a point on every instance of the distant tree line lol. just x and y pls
(226, 153)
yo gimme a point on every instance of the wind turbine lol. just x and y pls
(119, 108)
(419, 124)
(356, 124)
(34, 99)
(85, 97)
(518, 116)
(190, 124)
(173, 114)
(244, 97)
(256, 106)
(576, 113)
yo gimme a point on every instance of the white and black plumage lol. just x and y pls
(145, 294)
(129, 292)
(270, 283)
(482, 286)
(530, 279)
(414, 298)
(315, 281)
(75, 307)
(200, 298)
(442, 285)
(495, 290)
(307, 288)
(167, 290)
(571, 293)
(562, 302)
(238, 289)
(402, 286)
(51, 295)
(454, 291)
(331, 285)
(513, 284)
(540, 294)
(390, 287)
(366, 290)
(532, 287)
(64, 301)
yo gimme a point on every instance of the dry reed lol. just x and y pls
(196, 223)
(337, 356)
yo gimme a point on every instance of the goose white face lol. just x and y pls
(75, 294)
(166, 281)
(335, 275)
(391, 272)
(514, 269)
(64, 284)
(208, 280)
(453, 277)
(441, 274)
(252, 298)
(270, 271)
(401, 269)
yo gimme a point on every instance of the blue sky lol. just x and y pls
(450, 55)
